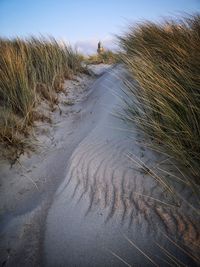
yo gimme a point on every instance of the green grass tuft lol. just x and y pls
(106, 57)
(30, 70)
(164, 60)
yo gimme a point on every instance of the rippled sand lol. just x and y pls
(99, 206)
(81, 201)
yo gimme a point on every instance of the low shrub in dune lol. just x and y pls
(164, 100)
(106, 57)
(30, 70)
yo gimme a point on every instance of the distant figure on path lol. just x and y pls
(100, 48)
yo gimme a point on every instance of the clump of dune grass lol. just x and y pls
(105, 57)
(164, 60)
(30, 70)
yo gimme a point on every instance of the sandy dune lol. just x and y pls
(96, 207)
(77, 204)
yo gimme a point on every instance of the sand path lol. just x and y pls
(96, 209)
(83, 208)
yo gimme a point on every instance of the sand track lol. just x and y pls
(87, 201)
(97, 202)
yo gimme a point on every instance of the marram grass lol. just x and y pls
(106, 57)
(30, 70)
(164, 60)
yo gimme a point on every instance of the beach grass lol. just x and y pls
(105, 57)
(30, 70)
(163, 60)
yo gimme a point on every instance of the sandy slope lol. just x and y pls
(85, 221)
(97, 206)
(26, 189)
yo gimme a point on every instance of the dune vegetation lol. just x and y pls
(30, 70)
(105, 57)
(164, 100)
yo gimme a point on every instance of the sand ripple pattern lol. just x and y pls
(100, 170)
(105, 194)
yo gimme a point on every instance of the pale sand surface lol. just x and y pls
(98, 69)
(26, 189)
(74, 201)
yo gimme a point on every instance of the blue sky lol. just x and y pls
(84, 22)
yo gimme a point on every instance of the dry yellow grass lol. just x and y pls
(30, 70)
(164, 59)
